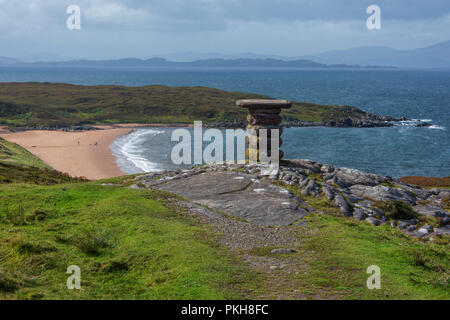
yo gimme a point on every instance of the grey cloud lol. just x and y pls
(143, 28)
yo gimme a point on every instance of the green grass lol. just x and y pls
(11, 173)
(46, 104)
(128, 244)
(11, 153)
(17, 165)
(134, 244)
(338, 251)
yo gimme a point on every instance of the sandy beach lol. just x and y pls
(81, 154)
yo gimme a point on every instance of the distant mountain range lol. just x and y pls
(4, 61)
(435, 56)
(161, 62)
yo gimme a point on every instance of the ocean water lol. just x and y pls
(397, 151)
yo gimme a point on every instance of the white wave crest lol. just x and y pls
(129, 147)
(413, 122)
(436, 127)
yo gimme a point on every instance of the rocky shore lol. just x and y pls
(302, 187)
(368, 121)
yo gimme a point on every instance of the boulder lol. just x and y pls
(308, 166)
(374, 221)
(327, 168)
(304, 183)
(383, 193)
(343, 206)
(444, 230)
(348, 177)
(359, 214)
(328, 191)
(352, 198)
(430, 210)
(440, 196)
(420, 193)
(403, 224)
(425, 229)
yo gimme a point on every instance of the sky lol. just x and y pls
(144, 29)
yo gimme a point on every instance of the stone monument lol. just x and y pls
(263, 114)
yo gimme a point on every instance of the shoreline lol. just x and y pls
(80, 154)
(93, 158)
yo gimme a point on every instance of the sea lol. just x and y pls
(402, 150)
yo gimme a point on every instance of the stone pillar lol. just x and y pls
(263, 114)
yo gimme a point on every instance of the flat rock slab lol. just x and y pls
(204, 185)
(241, 196)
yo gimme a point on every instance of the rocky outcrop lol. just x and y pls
(382, 193)
(293, 192)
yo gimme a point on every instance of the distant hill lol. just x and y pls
(43, 56)
(50, 105)
(435, 56)
(194, 56)
(4, 61)
(161, 62)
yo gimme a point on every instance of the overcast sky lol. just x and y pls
(138, 28)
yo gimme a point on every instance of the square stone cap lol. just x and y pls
(264, 104)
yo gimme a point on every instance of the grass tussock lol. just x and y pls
(24, 245)
(397, 210)
(16, 216)
(93, 241)
(8, 282)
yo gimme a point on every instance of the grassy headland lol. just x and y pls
(138, 244)
(47, 104)
(17, 165)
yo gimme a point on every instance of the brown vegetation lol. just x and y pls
(426, 182)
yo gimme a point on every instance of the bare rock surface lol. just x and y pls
(348, 177)
(239, 195)
(430, 210)
(247, 193)
(383, 193)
